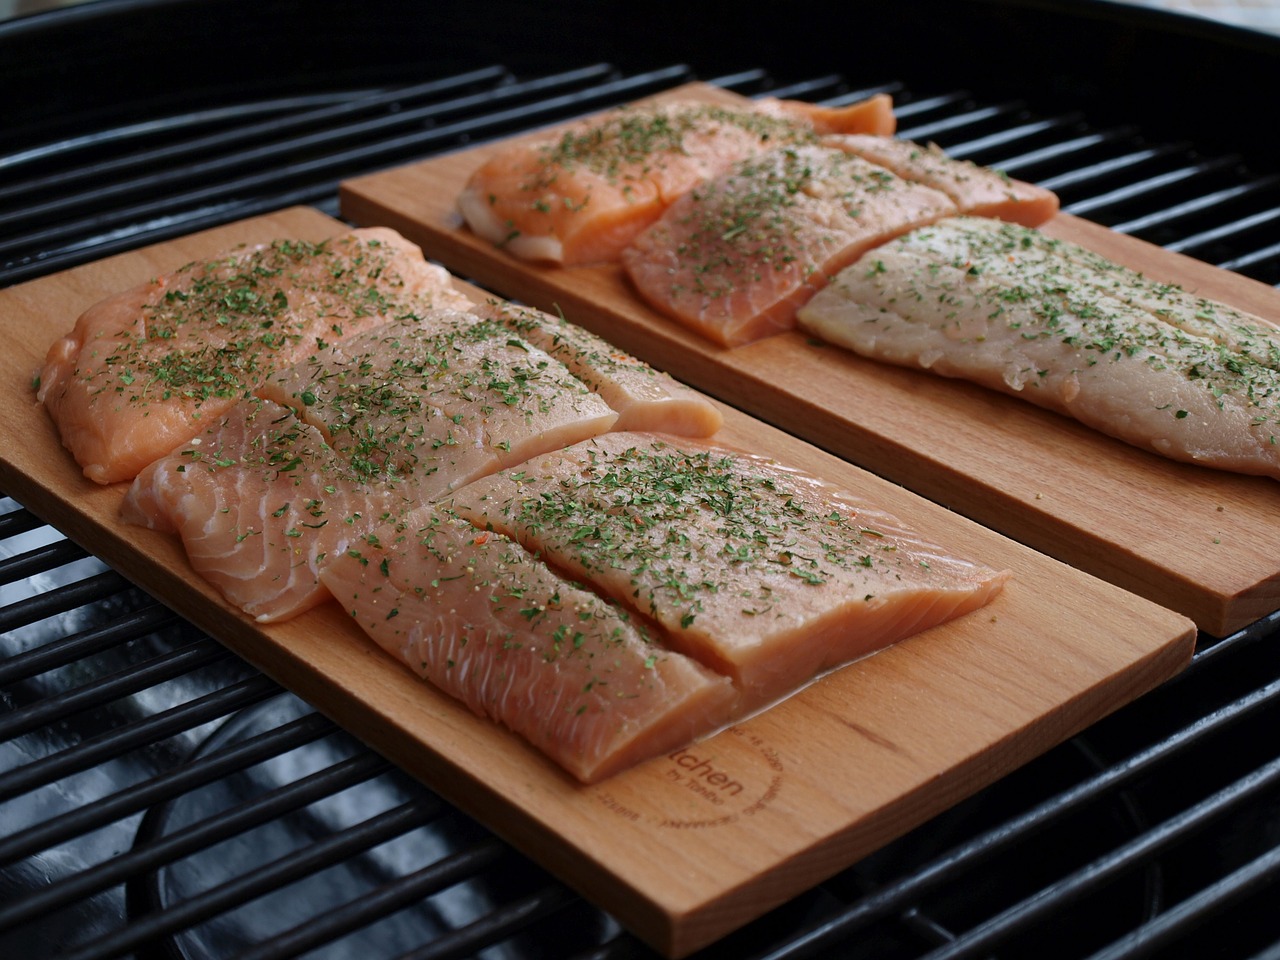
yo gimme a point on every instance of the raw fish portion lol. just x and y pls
(492, 625)
(582, 195)
(645, 398)
(431, 402)
(143, 370)
(976, 190)
(259, 502)
(754, 569)
(1061, 327)
(735, 258)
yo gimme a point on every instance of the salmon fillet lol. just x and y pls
(142, 371)
(580, 196)
(754, 569)
(259, 502)
(976, 190)
(490, 624)
(431, 402)
(644, 398)
(1059, 326)
(736, 257)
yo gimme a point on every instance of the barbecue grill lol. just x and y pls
(159, 797)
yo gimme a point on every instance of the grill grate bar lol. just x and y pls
(1171, 926)
(198, 836)
(1148, 186)
(243, 134)
(1267, 254)
(392, 897)
(164, 786)
(501, 923)
(131, 680)
(1101, 872)
(1012, 135)
(936, 129)
(898, 897)
(1242, 225)
(46, 605)
(154, 728)
(338, 845)
(1197, 204)
(25, 565)
(1107, 168)
(59, 652)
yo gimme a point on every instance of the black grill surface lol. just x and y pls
(161, 798)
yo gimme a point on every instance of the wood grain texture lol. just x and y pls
(1199, 541)
(688, 847)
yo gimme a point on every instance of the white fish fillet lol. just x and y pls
(1061, 327)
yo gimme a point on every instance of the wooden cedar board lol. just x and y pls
(686, 848)
(1199, 541)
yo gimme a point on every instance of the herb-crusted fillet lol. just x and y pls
(142, 370)
(756, 570)
(581, 196)
(490, 624)
(259, 501)
(735, 257)
(1061, 327)
(645, 398)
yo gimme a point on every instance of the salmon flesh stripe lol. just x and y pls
(736, 257)
(754, 569)
(645, 398)
(432, 401)
(1059, 326)
(487, 622)
(976, 190)
(259, 501)
(143, 370)
(581, 195)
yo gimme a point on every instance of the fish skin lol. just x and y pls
(143, 370)
(755, 569)
(1059, 326)
(976, 190)
(736, 257)
(259, 501)
(580, 196)
(492, 625)
(644, 398)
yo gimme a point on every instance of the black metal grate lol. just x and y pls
(159, 797)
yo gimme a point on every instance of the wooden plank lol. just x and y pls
(1193, 539)
(688, 847)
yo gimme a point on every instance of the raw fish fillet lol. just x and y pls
(976, 190)
(431, 402)
(734, 258)
(492, 625)
(752, 568)
(144, 370)
(259, 502)
(1061, 327)
(645, 398)
(581, 196)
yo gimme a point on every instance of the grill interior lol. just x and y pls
(161, 798)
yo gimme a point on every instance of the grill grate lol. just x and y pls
(161, 798)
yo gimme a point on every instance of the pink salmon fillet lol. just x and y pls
(580, 196)
(259, 502)
(645, 398)
(976, 190)
(736, 257)
(144, 370)
(434, 401)
(754, 569)
(1061, 327)
(492, 625)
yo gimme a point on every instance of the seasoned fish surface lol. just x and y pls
(1064, 328)
(581, 196)
(754, 569)
(142, 370)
